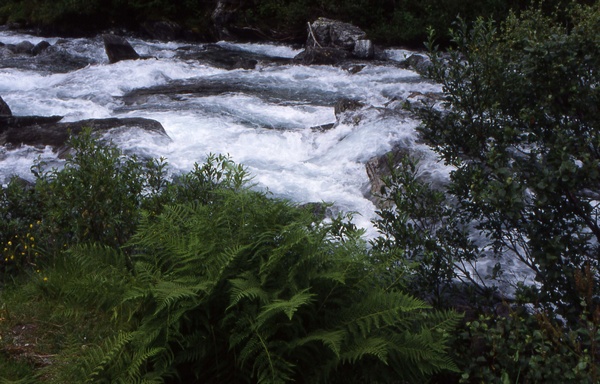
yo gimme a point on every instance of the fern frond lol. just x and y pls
(331, 339)
(247, 286)
(112, 355)
(134, 370)
(289, 307)
(379, 309)
(374, 346)
(167, 293)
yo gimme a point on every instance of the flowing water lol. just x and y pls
(268, 130)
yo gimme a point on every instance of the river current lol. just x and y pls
(273, 137)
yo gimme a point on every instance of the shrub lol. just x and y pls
(250, 289)
(524, 144)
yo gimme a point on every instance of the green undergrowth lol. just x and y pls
(137, 278)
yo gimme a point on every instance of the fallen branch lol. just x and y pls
(310, 31)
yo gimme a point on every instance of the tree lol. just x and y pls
(521, 125)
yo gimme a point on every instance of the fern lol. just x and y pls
(251, 289)
(288, 307)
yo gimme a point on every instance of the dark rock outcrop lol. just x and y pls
(220, 57)
(418, 63)
(344, 105)
(118, 48)
(4, 109)
(277, 92)
(333, 33)
(43, 56)
(24, 47)
(326, 37)
(40, 47)
(41, 131)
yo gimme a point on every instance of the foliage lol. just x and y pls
(386, 21)
(420, 230)
(200, 279)
(249, 289)
(525, 146)
(520, 126)
(94, 197)
(19, 226)
(528, 348)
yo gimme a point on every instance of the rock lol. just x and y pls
(378, 168)
(333, 33)
(40, 47)
(163, 30)
(220, 57)
(276, 92)
(419, 63)
(4, 108)
(328, 38)
(41, 131)
(364, 49)
(348, 111)
(353, 68)
(344, 105)
(24, 47)
(58, 60)
(118, 49)
(52, 59)
(322, 56)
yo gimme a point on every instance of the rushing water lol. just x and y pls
(271, 136)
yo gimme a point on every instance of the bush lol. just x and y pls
(524, 144)
(201, 279)
(521, 127)
(250, 289)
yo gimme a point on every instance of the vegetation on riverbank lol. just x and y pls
(113, 273)
(388, 22)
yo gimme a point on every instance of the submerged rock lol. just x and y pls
(378, 168)
(40, 47)
(221, 57)
(43, 56)
(322, 56)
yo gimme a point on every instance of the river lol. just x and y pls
(271, 131)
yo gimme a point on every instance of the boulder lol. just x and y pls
(24, 47)
(40, 47)
(333, 33)
(4, 108)
(364, 49)
(118, 49)
(41, 131)
(327, 39)
(59, 60)
(344, 105)
(378, 168)
(419, 63)
(221, 57)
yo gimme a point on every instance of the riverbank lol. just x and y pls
(386, 22)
